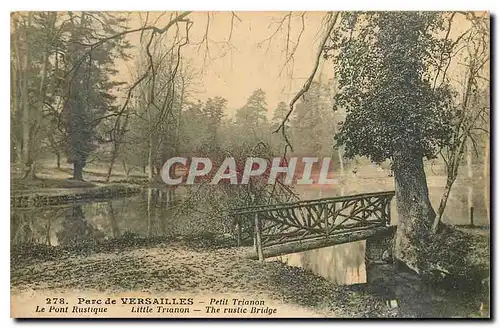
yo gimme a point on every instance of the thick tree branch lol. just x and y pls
(307, 84)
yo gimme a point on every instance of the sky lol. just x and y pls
(234, 69)
(255, 56)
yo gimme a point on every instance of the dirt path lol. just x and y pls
(182, 270)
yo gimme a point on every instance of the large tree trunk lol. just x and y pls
(30, 170)
(149, 211)
(114, 224)
(415, 212)
(78, 171)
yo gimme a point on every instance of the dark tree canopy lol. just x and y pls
(384, 66)
(88, 94)
(254, 111)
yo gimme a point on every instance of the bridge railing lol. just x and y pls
(275, 224)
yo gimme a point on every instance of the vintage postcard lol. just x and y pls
(250, 164)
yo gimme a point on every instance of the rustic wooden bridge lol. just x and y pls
(280, 229)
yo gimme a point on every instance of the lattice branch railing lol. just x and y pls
(269, 225)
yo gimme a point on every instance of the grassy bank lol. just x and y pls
(55, 186)
(49, 177)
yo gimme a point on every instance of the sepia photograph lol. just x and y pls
(250, 164)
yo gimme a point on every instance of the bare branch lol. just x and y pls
(233, 16)
(177, 19)
(292, 53)
(309, 81)
(270, 38)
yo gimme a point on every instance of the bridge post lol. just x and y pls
(258, 238)
(325, 211)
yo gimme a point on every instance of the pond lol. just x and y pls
(152, 213)
(156, 213)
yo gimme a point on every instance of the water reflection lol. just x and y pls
(75, 229)
(146, 215)
(155, 213)
(35, 226)
(343, 264)
(463, 195)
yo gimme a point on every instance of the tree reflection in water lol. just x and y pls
(75, 229)
(34, 226)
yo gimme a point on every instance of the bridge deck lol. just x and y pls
(307, 245)
(279, 229)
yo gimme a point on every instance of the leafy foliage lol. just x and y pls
(383, 64)
(89, 83)
(312, 125)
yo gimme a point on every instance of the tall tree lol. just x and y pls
(213, 111)
(279, 114)
(254, 112)
(34, 43)
(393, 112)
(89, 82)
(312, 124)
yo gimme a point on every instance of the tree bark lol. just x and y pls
(78, 171)
(415, 212)
(30, 170)
(114, 224)
(149, 210)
